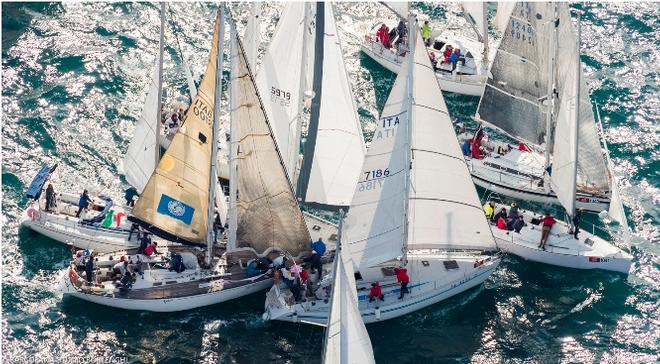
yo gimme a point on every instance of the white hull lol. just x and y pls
(165, 304)
(562, 249)
(472, 85)
(516, 174)
(427, 290)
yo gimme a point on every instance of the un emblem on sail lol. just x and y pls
(175, 209)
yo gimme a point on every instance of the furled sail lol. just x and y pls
(374, 225)
(267, 211)
(140, 158)
(510, 101)
(334, 148)
(175, 200)
(279, 79)
(476, 14)
(347, 339)
(442, 197)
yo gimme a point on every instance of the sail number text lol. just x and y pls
(281, 96)
(376, 173)
(203, 111)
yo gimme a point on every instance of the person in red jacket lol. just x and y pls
(548, 221)
(402, 277)
(383, 35)
(376, 292)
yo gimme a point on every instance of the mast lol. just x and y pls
(213, 178)
(301, 91)
(551, 94)
(578, 79)
(317, 83)
(232, 218)
(160, 80)
(335, 266)
(412, 33)
(484, 26)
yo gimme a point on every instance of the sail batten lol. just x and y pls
(174, 201)
(267, 212)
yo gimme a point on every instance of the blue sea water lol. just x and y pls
(73, 79)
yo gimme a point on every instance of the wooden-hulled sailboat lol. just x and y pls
(177, 205)
(522, 100)
(346, 337)
(467, 79)
(562, 249)
(411, 208)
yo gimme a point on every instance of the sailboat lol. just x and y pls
(410, 208)
(346, 337)
(303, 68)
(521, 101)
(588, 251)
(177, 205)
(468, 78)
(101, 229)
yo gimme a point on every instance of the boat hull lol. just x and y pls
(392, 307)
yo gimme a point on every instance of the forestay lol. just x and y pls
(268, 214)
(476, 12)
(279, 80)
(374, 225)
(444, 209)
(175, 199)
(334, 149)
(510, 101)
(140, 158)
(347, 339)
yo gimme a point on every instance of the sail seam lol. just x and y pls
(431, 108)
(439, 153)
(445, 200)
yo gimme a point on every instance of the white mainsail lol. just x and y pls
(263, 203)
(444, 208)
(400, 8)
(174, 202)
(334, 149)
(279, 79)
(140, 158)
(504, 9)
(564, 166)
(347, 339)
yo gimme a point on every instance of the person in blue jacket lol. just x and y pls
(83, 203)
(319, 247)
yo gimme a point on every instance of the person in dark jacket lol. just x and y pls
(576, 223)
(50, 197)
(314, 261)
(401, 32)
(402, 277)
(83, 203)
(89, 269)
(130, 195)
(519, 224)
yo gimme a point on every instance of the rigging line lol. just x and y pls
(176, 36)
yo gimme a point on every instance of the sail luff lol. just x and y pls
(253, 34)
(315, 112)
(161, 52)
(233, 145)
(576, 132)
(215, 134)
(550, 94)
(412, 44)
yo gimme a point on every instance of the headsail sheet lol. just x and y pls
(347, 339)
(140, 158)
(444, 208)
(267, 211)
(510, 101)
(174, 202)
(374, 225)
(334, 150)
(279, 79)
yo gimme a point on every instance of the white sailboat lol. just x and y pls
(346, 337)
(521, 101)
(177, 205)
(588, 251)
(468, 78)
(409, 209)
(304, 63)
